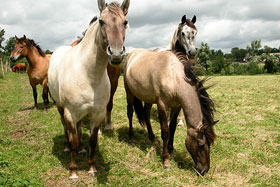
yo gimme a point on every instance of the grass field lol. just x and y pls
(246, 151)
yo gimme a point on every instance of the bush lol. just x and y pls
(270, 64)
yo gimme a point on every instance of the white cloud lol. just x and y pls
(222, 24)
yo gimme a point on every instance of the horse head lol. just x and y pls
(113, 24)
(186, 35)
(20, 49)
(198, 144)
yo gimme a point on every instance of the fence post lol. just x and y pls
(2, 68)
(6, 66)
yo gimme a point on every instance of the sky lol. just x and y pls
(223, 24)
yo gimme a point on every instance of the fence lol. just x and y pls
(5, 67)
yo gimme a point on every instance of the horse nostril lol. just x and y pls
(109, 49)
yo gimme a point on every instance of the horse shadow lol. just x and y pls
(40, 107)
(82, 162)
(142, 142)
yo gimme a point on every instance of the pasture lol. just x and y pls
(246, 151)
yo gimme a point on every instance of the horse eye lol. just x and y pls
(183, 34)
(21, 47)
(101, 22)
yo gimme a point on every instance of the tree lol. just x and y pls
(253, 50)
(203, 54)
(267, 49)
(2, 32)
(10, 45)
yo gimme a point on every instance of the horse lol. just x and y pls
(167, 79)
(38, 64)
(78, 79)
(114, 73)
(18, 67)
(183, 40)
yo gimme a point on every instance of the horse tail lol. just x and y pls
(206, 103)
(139, 110)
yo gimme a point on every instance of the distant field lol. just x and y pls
(246, 151)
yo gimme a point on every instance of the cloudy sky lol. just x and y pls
(223, 24)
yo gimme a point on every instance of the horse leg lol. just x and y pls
(164, 133)
(108, 122)
(93, 142)
(66, 137)
(73, 142)
(181, 118)
(147, 115)
(35, 96)
(114, 74)
(81, 149)
(130, 110)
(45, 96)
(172, 127)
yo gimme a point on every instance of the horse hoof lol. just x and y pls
(45, 111)
(66, 150)
(83, 153)
(73, 175)
(108, 127)
(167, 165)
(92, 171)
(92, 174)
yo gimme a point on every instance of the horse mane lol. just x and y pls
(32, 42)
(84, 33)
(206, 103)
(114, 8)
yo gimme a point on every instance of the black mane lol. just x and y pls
(206, 103)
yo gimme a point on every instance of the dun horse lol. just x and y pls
(37, 69)
(78, 78)
(183, 40)
(167, 79)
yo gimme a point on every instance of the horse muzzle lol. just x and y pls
(115, 56)
(13, 59)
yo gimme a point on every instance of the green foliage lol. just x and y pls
(203, 54)
(2, 32)
(271, 63)
(9, 45)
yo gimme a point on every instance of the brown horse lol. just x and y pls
(114, 74)
(168, 80)
(78, 78)
(18, 67)
(37, 69)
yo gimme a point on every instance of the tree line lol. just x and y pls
(252, 60)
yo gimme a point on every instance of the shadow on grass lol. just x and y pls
(40, 107)
(82, 162)
(141, 141)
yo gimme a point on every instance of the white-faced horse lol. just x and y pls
(78, 79)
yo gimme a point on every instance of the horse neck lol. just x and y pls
(92, 49)
(33, 56)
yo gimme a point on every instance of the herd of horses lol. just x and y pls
(82, 79)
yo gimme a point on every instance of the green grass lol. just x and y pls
(246, 151)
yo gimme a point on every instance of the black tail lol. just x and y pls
(139, 110)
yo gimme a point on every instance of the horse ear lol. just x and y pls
(194, 19)
(24, 37)
(201, 127)
(16, 37)
(184, 19)
(215, 122)
(125, 6)
(101, 5)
